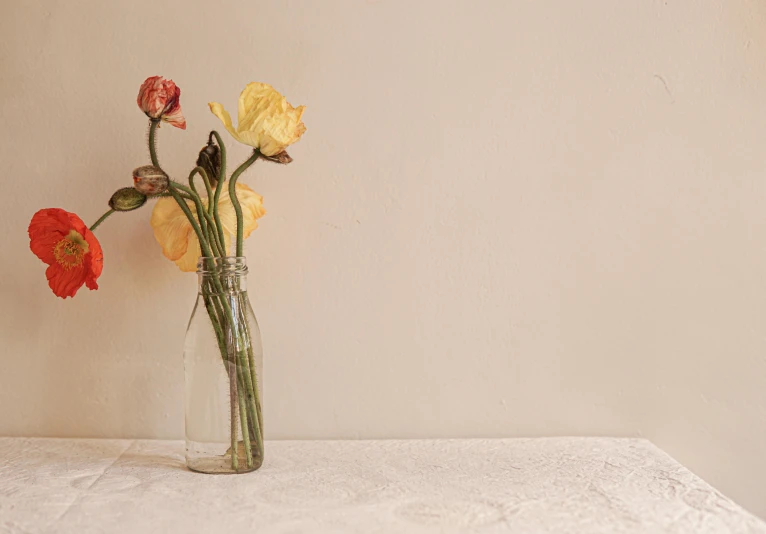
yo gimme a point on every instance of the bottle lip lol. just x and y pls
(227, 264)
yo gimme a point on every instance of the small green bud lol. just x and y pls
(127, 199)
(150, 180)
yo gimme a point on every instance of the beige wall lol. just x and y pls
(507, 218)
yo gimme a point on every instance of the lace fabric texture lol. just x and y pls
(561, 485)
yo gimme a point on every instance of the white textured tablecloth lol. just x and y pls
(577, 485)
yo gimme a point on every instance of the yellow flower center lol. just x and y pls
(70, 250)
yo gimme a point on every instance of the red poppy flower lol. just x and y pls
(161, 99)
(73, 253)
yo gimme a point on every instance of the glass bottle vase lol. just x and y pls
(223, 362)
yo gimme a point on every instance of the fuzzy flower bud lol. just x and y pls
(210, 160)
(150, 180)
(127, 199)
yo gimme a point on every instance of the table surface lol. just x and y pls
(578, 485)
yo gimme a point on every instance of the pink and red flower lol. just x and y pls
(70, 249)
(160, 99)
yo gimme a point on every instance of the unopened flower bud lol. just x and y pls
(210, 159)
(160, 100)
(127, 199)
(150, 180)
(280, 157)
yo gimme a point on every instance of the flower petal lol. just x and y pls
(252, 209)
(94, 261)
(151, 97)
(63, 282)
(281, 132)
(255, 100)
(188, 261)
(90, 282)
(47, 228)
(175, 119)
(171, 228)
(271, 107)
(225, 118)
(95, 255)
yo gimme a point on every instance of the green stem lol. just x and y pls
(153, 123)
(222, 148)
(219, 186)
(173, 190)
(243, 421)
(199, 207)
(204, 216)
(212, 209)
(234, 401)
(249, 391)
(217, 228)
(101, 219)
(185, 192)
(235, 201)
(213, 212)
(208, 188)
(212, 236)
(251, 360)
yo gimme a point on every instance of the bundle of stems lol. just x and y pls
(225, 302)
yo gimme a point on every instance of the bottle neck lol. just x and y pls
(222, 275)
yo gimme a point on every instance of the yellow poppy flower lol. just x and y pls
(175, 234)
(266, 120)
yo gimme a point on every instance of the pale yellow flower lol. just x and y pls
(266, 120)
(175, 234)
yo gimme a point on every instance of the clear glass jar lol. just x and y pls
(223, 362)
